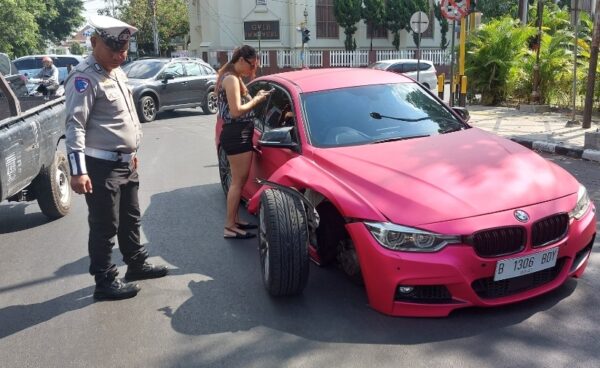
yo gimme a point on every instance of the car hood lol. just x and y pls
(446, 177)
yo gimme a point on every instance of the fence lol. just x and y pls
(293, 58)
(437, 56)
(348, 58)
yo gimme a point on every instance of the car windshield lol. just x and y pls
(143, 69)
(375, 114)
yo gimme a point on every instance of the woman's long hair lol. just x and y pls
(246, 52)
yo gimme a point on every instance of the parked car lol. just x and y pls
(10, 72)
(378, 175)
(169, 84)
(30, 65)
(409, 67)
(32, 167)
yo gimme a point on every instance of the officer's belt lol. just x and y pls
(109, 155)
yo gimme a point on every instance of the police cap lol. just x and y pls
(113, 32)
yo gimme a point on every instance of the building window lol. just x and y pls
(327, 26)
(261, 2)
(378, 31)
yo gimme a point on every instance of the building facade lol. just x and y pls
(222, 25)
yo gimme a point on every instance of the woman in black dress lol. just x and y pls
(236, 108)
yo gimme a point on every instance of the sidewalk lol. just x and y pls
(539, 131)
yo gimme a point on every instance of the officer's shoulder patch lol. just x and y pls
(81, 84)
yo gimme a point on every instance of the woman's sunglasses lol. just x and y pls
(253, 65)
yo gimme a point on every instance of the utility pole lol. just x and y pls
(304, 27)
(152, 4)
(589, 93)
(575, 10)
(523, 9)
(535, 94)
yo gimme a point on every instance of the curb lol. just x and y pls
(564, 150)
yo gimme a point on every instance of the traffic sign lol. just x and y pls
(455, 9)
(419, 22)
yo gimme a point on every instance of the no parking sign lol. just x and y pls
(455, 9)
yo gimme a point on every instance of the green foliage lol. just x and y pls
(494, 50)
(347, 14)
(373, 13)
(437, 10)
(76, 49)
(398, 14)
(172, 22)
(493, 9)
(27, 24)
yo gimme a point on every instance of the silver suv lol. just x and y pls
(408, 67)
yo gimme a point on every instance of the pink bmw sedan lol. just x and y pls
(370, 171)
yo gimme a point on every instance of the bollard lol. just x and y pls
(440, 85)
(462, 100)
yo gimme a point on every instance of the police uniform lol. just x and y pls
(49, 77)
(103, 135)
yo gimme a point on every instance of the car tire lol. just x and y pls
(210, 106)
(53, 188)
(224, 171)
(147, 109)
(283, 243)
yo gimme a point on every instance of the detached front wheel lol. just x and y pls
(53, 188)
(283, 243)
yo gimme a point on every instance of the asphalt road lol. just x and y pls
(213, 311)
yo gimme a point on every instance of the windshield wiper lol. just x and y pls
(399, 138)
(378, 116)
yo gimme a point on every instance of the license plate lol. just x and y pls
(515, 267)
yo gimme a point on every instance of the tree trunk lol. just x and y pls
(589, 94)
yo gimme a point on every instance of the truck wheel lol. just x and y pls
(147, 109)
(283, 243)
(210, 103)
(224, 171)
(53, 188)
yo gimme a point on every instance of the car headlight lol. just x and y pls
(403, 238)
(583, 203)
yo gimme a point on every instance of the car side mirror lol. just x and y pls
(462, 112)
(167, 76)
(278, 137)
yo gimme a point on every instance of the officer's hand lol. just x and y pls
(81, 184)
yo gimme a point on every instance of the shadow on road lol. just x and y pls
(13, 218)
(332, 309)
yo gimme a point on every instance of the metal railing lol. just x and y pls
(348, 58)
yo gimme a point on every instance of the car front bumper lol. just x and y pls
(456, 277)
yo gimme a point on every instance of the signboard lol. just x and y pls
(419, 22)
(262, 29)
(455, 9)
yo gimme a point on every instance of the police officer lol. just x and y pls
(102, 139)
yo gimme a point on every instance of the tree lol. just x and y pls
(497, 8)
(374, 15)
(398, 14)
(173, 22)
(76, 49)
(60, 19)
(20, 32)
(443, 25)
(347, 14)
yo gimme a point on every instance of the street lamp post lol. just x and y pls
(305, 23)
(535, 94)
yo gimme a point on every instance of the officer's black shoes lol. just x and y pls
(145, 271)
(115, 290)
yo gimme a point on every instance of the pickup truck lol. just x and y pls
(32, 167)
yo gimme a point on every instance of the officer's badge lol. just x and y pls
(81, 84)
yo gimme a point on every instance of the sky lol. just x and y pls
(92, 6)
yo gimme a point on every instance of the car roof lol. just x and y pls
(312, 80)
(394, 61)
(53, 56)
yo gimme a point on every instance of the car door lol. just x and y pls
(196, 82)
(173, 91)
(276, 113)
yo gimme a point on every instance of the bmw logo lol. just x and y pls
(521, 215)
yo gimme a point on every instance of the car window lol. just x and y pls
(424, 66)
(396, 68)
(368, 114)
(259, 110)
(143, 69)
(65, 61)
(176, 69)
(193, 69)
(409, 67)
(279, 111)
(379, 66)
(208, 70)
(29, 63)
